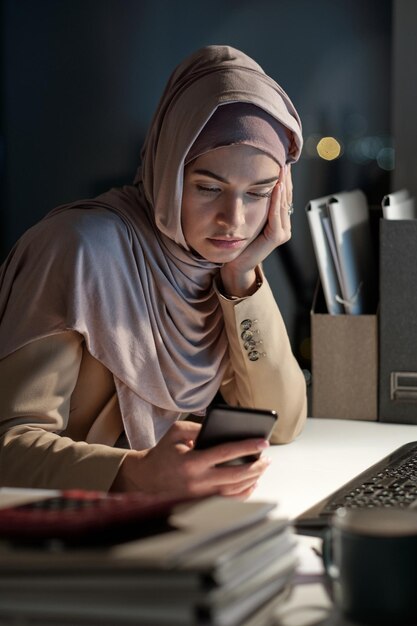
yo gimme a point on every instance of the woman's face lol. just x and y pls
(225, 200)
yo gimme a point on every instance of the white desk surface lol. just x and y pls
(327, 454)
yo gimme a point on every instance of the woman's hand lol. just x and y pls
(174, 467)
(238, 276)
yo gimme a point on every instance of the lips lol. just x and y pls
(226, 243)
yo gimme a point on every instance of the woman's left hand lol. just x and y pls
(238, 276)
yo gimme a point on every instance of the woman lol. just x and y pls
(124, 314)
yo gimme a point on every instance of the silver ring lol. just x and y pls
(290, 209)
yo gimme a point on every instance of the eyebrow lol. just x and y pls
(266, 181)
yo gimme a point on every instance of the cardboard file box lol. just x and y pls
(344, 365)
(398, 321)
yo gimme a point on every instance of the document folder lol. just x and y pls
(398, 321)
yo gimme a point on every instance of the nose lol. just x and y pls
(232, 212)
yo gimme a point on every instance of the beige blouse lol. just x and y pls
(60, 417)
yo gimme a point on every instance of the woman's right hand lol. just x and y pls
(174, 467)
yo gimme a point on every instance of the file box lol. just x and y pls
(344, 355)
(398, 321)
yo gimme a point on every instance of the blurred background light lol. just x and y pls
(386, 159)
(329, 148)
(370, 146)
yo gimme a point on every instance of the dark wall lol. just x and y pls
(80, 80)
(405, 94)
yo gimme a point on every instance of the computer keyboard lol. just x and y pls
(391, 482)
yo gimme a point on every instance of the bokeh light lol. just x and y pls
(329, 148)
(386, 159)
(362, 150)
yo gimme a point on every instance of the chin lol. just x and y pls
(226, 257)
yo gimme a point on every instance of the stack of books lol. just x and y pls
(219, 562)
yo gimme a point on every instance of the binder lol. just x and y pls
(349, 216)
(342, 241)
(398, 321)
(399, 205)
(316, 211)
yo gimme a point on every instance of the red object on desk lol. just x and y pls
(86, 517)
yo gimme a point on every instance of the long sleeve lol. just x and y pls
(263, 372)
(36, 386)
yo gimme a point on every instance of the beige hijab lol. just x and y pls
(117, 268)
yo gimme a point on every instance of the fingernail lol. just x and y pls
(262, 444)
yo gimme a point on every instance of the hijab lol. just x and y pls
(242, 123)
(117, 269)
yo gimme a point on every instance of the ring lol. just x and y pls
(290, 209)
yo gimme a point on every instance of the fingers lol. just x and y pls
(288, 204)
(230, 479)
(173, 466)
(244, 495)
(279, 219)
(286, 200)
(288, 184)
(242, 486)
(224, 481)
(233, 450)
(241, 489)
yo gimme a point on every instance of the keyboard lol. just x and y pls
(391, 482)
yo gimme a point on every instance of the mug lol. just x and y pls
(370, 557)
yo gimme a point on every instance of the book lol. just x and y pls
(53, 597)
(222, 562)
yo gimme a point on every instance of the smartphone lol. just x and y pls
(224, 423)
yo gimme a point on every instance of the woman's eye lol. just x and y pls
(260, 194)
(209, 189)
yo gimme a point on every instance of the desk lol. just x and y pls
(327, 454)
